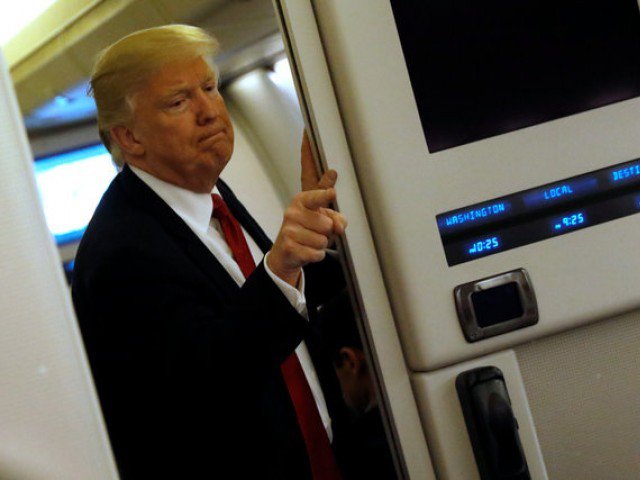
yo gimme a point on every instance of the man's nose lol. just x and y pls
(207, 108)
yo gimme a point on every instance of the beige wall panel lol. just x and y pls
(584, 391)
(249, 179)
(51, 427)
(444, 423)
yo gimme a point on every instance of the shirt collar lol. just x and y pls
(194, 208)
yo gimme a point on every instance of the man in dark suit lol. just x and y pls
(190, 344)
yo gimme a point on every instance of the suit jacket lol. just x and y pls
(186, 363)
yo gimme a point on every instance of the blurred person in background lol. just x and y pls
(361, 446)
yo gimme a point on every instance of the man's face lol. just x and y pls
(181, 123)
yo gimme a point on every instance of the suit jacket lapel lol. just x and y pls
(142, 196)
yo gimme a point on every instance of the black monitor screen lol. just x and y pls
(480, 68)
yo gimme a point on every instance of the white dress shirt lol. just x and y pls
(196, 209)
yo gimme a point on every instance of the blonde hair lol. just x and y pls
(122, 68)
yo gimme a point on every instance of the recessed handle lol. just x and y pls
(492, 427)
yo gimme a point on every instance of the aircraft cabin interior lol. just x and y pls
(488, 161)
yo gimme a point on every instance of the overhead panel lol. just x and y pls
(58, 50)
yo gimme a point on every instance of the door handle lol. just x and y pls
(492, 427)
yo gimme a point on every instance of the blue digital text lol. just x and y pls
(474, 214)
(626, 172)
(484, 245)
(569, 221)
(553, 193)
(556, 192)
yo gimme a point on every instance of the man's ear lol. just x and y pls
(126, 140)
(351, 359)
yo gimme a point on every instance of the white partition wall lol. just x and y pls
(50, 421)
(555, 180)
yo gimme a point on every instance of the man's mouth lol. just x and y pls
(210, 135)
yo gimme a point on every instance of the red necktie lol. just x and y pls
(323, 464)
(233, 235)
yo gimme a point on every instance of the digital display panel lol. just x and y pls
(71, 185)
(484, 68)
(539, 213)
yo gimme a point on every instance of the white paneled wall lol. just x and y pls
(51, 427)
(266, 106)
(248, 176)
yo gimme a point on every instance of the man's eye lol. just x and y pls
(177, 105)
(211, 88)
